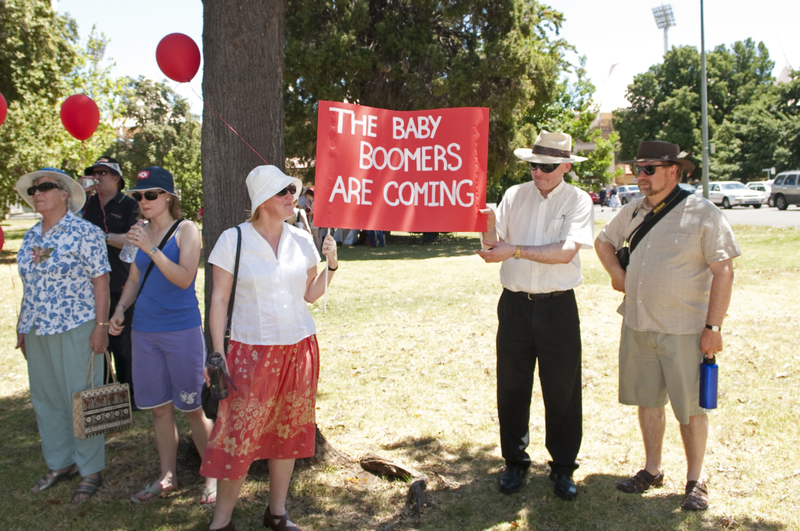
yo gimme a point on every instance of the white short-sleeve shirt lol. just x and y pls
(269, 308)
(524, 217)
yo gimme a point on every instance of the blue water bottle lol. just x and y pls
(709, 374)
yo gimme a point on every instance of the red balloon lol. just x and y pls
(3, 109)
(80, 116)
(178, 57)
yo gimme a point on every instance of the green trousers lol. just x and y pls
(57, 366)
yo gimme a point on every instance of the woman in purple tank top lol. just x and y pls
(167, 336)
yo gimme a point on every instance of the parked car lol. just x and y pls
(688, 187)
(786, 189)
(728, 194)
(765, 189)
(595, 197)
(628, 193)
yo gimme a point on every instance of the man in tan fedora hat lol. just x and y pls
(677, 288)
(537, 232)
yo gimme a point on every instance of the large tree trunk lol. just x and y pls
(243, 82)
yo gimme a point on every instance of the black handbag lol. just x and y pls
(209, 403)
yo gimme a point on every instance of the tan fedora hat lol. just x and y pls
(549, 148)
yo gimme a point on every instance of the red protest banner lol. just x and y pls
(415, 171)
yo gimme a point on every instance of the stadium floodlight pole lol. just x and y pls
(665, 19)
(704, 101)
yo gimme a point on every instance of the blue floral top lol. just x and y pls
(57, 273)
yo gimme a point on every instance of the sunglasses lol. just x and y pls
(289, 189)
(101, 172)
(546, 168)
(42, 187)
(647, 170)
(151, 195)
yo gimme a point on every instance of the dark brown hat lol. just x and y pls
(660, 151)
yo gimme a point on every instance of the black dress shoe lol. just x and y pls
(565, 488)
(511, 480)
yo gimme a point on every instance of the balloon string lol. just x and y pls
(229, 126)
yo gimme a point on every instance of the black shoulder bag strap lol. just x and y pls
(160, 247)
(658, 213)
(233, 289)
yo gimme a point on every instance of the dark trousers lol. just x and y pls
(120, 346)
(547, 330)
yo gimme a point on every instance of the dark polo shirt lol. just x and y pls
(117, 217)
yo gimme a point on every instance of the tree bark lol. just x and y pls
(243, 84)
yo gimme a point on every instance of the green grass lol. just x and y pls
(408, 361)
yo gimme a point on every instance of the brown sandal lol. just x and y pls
(278, 523)
(696, 498)
(640, 482)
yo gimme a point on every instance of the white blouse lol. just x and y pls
(269, 308)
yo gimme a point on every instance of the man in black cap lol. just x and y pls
(677, 289)
(115, 213)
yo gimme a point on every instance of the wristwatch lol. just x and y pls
(714, 328)
(153, 251)
(518, 254)
(107, 236)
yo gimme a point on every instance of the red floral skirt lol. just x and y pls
(272, 413)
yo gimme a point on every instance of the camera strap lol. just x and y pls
(674, 198)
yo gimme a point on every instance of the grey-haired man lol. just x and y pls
(537, 232)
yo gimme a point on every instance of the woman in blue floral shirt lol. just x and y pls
(63, 321)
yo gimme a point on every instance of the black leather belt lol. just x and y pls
(538, 296)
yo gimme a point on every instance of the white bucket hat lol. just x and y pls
(77, 197)
(549, 148)
(266, 181)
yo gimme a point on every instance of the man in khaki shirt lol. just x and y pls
(537, 232)
(677, 289)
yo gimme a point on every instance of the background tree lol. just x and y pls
(665, 102)
(422, 54)
(764, 133)
(243, 81)
(158, 129)
(41, 64)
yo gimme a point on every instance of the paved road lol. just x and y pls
(740, 216)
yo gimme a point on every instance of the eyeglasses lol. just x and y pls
(647, 170)
(101, 172)
(42, 187)
(289, 189)
(546, 168)
(150, 195)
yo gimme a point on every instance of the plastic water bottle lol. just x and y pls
(128, 253)
(709, 374)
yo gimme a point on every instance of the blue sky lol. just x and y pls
(611, 32)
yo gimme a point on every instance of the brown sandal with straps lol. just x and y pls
(696, 498)
(640, 482)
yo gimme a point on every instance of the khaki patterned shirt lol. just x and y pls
(668, 280)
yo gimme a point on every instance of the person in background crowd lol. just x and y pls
(115, 213)
(167, 336)
(272, 357)
(63, 323)
(539, 228)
